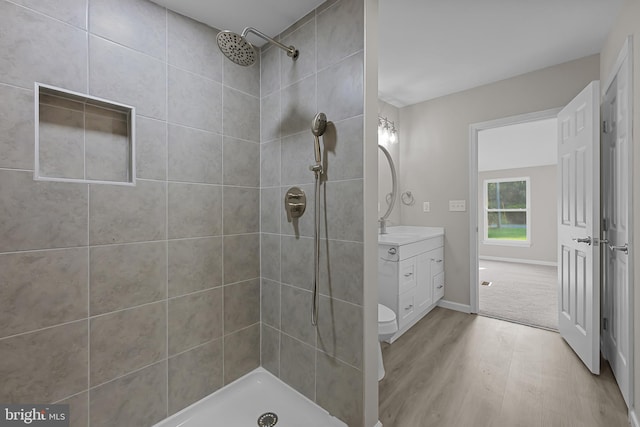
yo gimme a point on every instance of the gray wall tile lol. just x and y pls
(241, 210)
(125, 276)
(151, 148)
(241, 257)
(241, 115)
(241, 162)
(344, 280)
(73, 12)
(304, 39)
(119, 403)
(194, 374)
(270, 164)
(241, 352)
(271, 207)
(28, 377)
(340, 89)
(194, 155)
(41, 215)
(61, 140)
(269, 71)
(107, 148)
(41, 289)
(270, 304)
(194, 265)
(334, 337)
(194, 101)
(344, 210)
(339, 389)
(342, 150)
(39, 49)
(127, 340)
(299, 106)
(78, 409)
(296, 358)
(297, 154)
(138, 24)
(241, 305)
(270, 256)
(123, 75)
(340, 31)
(194, 319)
(296, 317)
(270, 347)
(195, 210)
(271, 121)
(246, 79)
(193, 47)
(127, 214)
(16, 128)
(297, 261)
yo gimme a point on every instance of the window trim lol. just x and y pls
(506, 242)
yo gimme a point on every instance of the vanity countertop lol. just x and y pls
(406, 234)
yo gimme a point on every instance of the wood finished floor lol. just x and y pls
(456, 370)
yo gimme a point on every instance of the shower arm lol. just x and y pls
(291, 51)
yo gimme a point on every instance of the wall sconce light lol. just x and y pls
(387, 132)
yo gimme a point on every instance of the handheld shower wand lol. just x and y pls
(318, 128)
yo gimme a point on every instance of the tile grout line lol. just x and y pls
(166, 219)
(88, 32)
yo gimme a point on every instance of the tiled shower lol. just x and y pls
(115, 298)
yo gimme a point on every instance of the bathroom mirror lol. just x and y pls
(387, 185)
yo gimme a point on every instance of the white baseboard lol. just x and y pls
(454, 306)
(633, 419)
(519, 261)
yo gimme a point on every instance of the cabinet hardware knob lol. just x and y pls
(392, 251)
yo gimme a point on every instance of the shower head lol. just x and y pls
(239, 50)
(236, 48)
(318, 127)
(319, 124)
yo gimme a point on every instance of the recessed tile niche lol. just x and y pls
(80, 138)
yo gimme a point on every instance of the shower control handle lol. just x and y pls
(295, 203)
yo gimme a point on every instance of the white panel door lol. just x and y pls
(616, 302)
(579, 225)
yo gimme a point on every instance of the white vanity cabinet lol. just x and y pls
(410, 272)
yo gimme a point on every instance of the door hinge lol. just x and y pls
(604, 224)
(605, 323)
(604, 126)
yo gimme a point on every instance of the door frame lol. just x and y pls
(474, 129)
(626, 53)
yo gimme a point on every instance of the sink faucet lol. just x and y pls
(383, 225)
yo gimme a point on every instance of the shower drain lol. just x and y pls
(268, 419)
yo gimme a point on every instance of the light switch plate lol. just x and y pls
(457, 205)
(426, 207)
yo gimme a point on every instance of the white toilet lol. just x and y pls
(387, 326)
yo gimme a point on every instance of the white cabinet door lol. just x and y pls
(423, 286)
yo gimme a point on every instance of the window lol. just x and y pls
(506, 211)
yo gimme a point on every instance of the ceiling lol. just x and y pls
(431, 48)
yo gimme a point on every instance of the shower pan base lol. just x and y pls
(245, 400)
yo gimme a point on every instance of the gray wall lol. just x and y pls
(324, 363)
(628, 24)
(543, 210)
(434, 152)
(129, 303)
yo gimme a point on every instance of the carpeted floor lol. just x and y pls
(521, 293)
